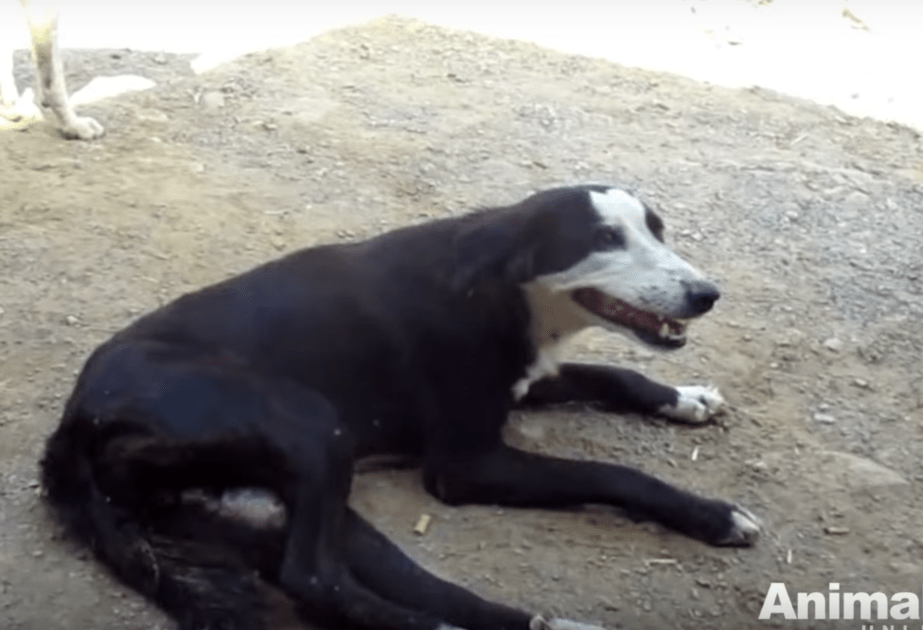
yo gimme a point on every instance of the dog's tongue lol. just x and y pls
(619, 312)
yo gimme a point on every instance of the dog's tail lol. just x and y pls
(199, 582)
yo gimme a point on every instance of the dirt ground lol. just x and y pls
(809, 219)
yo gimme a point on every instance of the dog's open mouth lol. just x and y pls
(649, 327)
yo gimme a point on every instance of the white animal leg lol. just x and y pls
(50, 89)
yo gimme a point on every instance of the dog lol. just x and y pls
(417, 342)
(50, 89)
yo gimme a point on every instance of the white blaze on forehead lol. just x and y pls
(645, 273)
(617, 207)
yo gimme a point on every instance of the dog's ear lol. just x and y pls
(492, 250)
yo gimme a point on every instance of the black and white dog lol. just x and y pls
(416, 342)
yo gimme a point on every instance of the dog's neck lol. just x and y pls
(553, 320)
(554, 317)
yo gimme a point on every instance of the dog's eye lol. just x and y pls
(610, 238)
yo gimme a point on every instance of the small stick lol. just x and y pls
(422, 524)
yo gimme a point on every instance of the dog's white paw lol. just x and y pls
(540, 623)
(745, 530)
(695, 403)
(83, 128)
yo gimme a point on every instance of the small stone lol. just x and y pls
(608, 604)
(826, 418)
(71, 320)
(833, 344)
(212, 99)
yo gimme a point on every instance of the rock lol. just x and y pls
(833, 344)
(212, 99)
(858, 471)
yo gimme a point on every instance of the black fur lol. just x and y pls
(280, 378)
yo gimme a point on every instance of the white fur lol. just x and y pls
(42, 19)
(746, 528)
(646, 274)
(556, 319)
(545, 364)
(696, 403)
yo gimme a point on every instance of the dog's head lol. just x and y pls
(598, 256)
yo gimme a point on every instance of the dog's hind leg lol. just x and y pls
(202, 585)
(315, 568)
(310, 471)
(200, 580)
(380, 564)
(384, 568)
(507, 476)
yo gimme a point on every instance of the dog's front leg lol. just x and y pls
(50, 88)
(508, 476)
(618, 389)
(8, 93)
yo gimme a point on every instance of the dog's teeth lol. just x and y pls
(664, 331)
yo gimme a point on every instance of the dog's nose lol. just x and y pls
(701, 296)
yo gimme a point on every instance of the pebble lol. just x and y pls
(833, 344)
(836, 531)
(824, 417)
(608, 604)
(212, 100)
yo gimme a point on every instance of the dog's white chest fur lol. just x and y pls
(554, 321)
